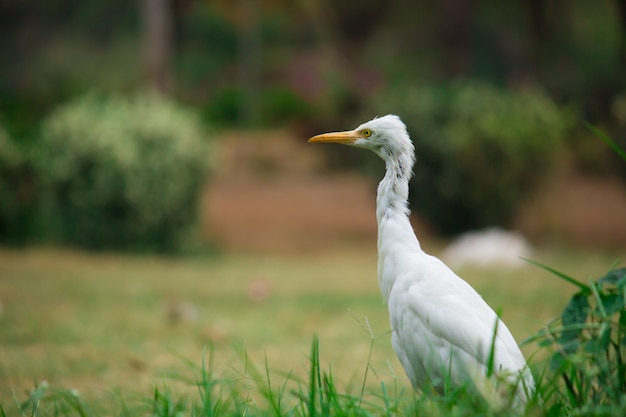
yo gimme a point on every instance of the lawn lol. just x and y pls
(116, 323)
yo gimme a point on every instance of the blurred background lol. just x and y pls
(179, 127)
(113, 114)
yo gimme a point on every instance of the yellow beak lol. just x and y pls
(337, 137)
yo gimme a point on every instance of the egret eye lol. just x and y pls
(367, 133)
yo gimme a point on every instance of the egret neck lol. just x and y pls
(395, 233)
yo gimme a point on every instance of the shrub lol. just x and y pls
(277, 106)
(281, 105)
(121, 172)
(479, 149)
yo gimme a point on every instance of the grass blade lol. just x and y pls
(492, 348)
(585, 288)
(314, 376)
(606, 139)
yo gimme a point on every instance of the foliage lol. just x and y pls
(480, 149)
(588, 347)
(121, 172)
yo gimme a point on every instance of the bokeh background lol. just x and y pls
(494, 95)
(153, 163)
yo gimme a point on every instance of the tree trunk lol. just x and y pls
(250, 62)
(158, 43)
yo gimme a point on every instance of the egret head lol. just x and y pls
(386, 136)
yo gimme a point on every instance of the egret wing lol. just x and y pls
(450, 325)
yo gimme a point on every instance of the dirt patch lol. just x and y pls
(583, 210)
(290, 214)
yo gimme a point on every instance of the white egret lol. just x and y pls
(442, 330)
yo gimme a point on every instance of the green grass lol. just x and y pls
(98, 330)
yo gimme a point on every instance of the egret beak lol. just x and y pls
(345, 138)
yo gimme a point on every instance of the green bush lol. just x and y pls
(480, 149)
(281, 105)
(277, 106)
(121, 172)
